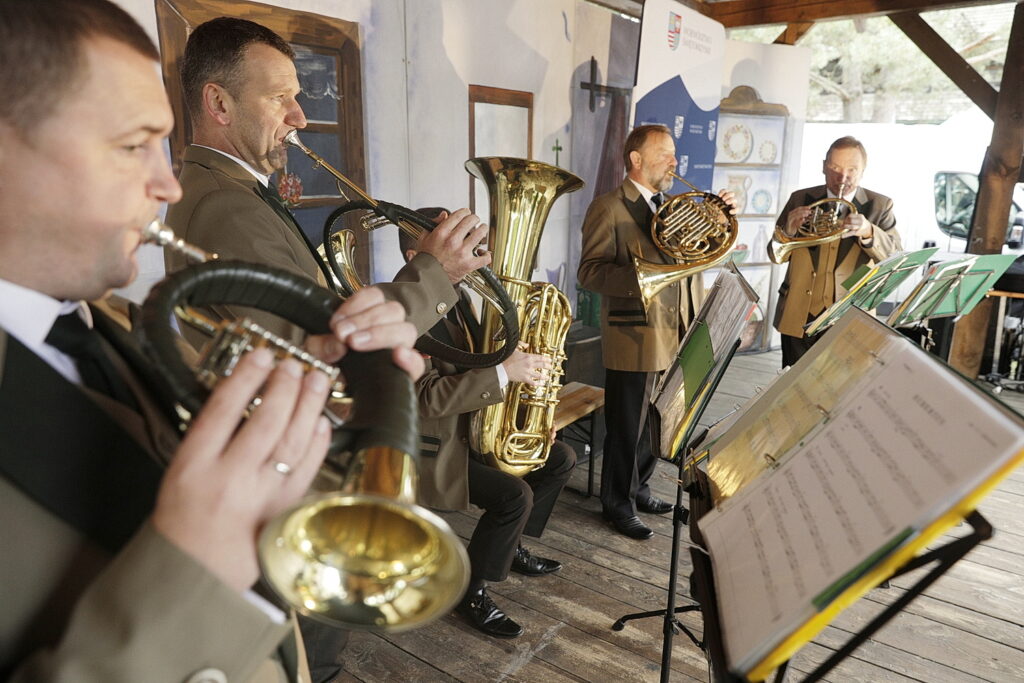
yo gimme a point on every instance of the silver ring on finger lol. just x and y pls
(282, 468)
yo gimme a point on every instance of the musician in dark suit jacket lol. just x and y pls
(240, 86)
(452, 476)
(111, 568)
(814, 279)
(636, 344)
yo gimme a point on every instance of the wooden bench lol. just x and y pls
(575, 402)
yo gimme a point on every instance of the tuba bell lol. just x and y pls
(824, 225)
(515, 435)
(696, 230)
(365, 557)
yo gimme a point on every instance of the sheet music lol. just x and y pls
(782, 415)
(897, 452)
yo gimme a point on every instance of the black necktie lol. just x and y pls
(72, 336)
(658, 199)
(271, 197)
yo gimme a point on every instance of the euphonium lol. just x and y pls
(515, 435)
(363, 557)
(696, 229)
(337, 250)
(824, 225)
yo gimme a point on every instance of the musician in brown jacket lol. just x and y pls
(240, 85)
(115, 566)
(814, 279)
(636, 344)
(452, 476)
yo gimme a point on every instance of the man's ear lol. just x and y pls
(634, 159)
(217, 103)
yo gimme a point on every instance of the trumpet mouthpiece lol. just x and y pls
(293, 139)
(159, 234)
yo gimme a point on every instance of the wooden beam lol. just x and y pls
(794, 32)
(999, 173)
(956, 68)
(737, 13)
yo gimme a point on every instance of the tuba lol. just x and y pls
(366, 556)
(337, 251)
(696, 229)
(824, 225)
(515, 435)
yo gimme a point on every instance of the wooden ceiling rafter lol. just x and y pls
(794, 32)
(742, 13)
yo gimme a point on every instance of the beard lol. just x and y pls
(277, 157)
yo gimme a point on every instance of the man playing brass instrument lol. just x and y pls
(240, 88)
(451, 476)
(114, 565)
(635, 343)
(815, 275)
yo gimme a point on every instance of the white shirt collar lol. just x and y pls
(645, 193)
(264, 179)
(28, 316)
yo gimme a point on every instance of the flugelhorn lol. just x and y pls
(696, 229)
(822, 226)
(366, 556)
(481, 281)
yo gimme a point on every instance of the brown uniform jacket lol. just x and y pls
(447, 397)
(222, 211)
(616, 227)
(815, 275)
(72, 610)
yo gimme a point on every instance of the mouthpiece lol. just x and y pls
(293, 139)
(159, 234)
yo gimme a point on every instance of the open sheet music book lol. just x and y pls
(708, 340)
(837, 474)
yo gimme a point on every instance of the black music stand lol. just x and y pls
(680, 516)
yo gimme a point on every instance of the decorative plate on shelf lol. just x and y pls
(737, 142)
(761, 202)
(767, 151)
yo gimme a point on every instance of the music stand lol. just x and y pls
(869, 286)
(680, 517)
(861, 357)
(949, 289)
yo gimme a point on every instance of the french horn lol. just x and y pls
(366, 556)
(696, 229)
(824, 225)
(337, 250)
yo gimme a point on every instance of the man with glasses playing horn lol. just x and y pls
(636, 343)
(114, 565)
(814, 279)
(240, 87)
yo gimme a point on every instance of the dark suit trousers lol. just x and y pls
(628, 460)
(793, 348)
(512, 506)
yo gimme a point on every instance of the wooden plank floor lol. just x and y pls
(969, 626)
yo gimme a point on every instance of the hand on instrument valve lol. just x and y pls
(455, 241)
(366, 322)
(796, 218)
(729, 197)
(856, 225)
(528, 368)
(226, 481)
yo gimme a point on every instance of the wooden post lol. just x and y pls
(999, 173)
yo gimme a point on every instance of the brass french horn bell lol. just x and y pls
(824, 225)
(364, 557)
(694, 228)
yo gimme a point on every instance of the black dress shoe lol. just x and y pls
(632, 527)
(654, 506)
(482, 614)
(526, 563)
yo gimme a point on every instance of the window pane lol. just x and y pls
(318, 78)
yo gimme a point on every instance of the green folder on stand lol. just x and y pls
(869, 286)
(951, 288)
